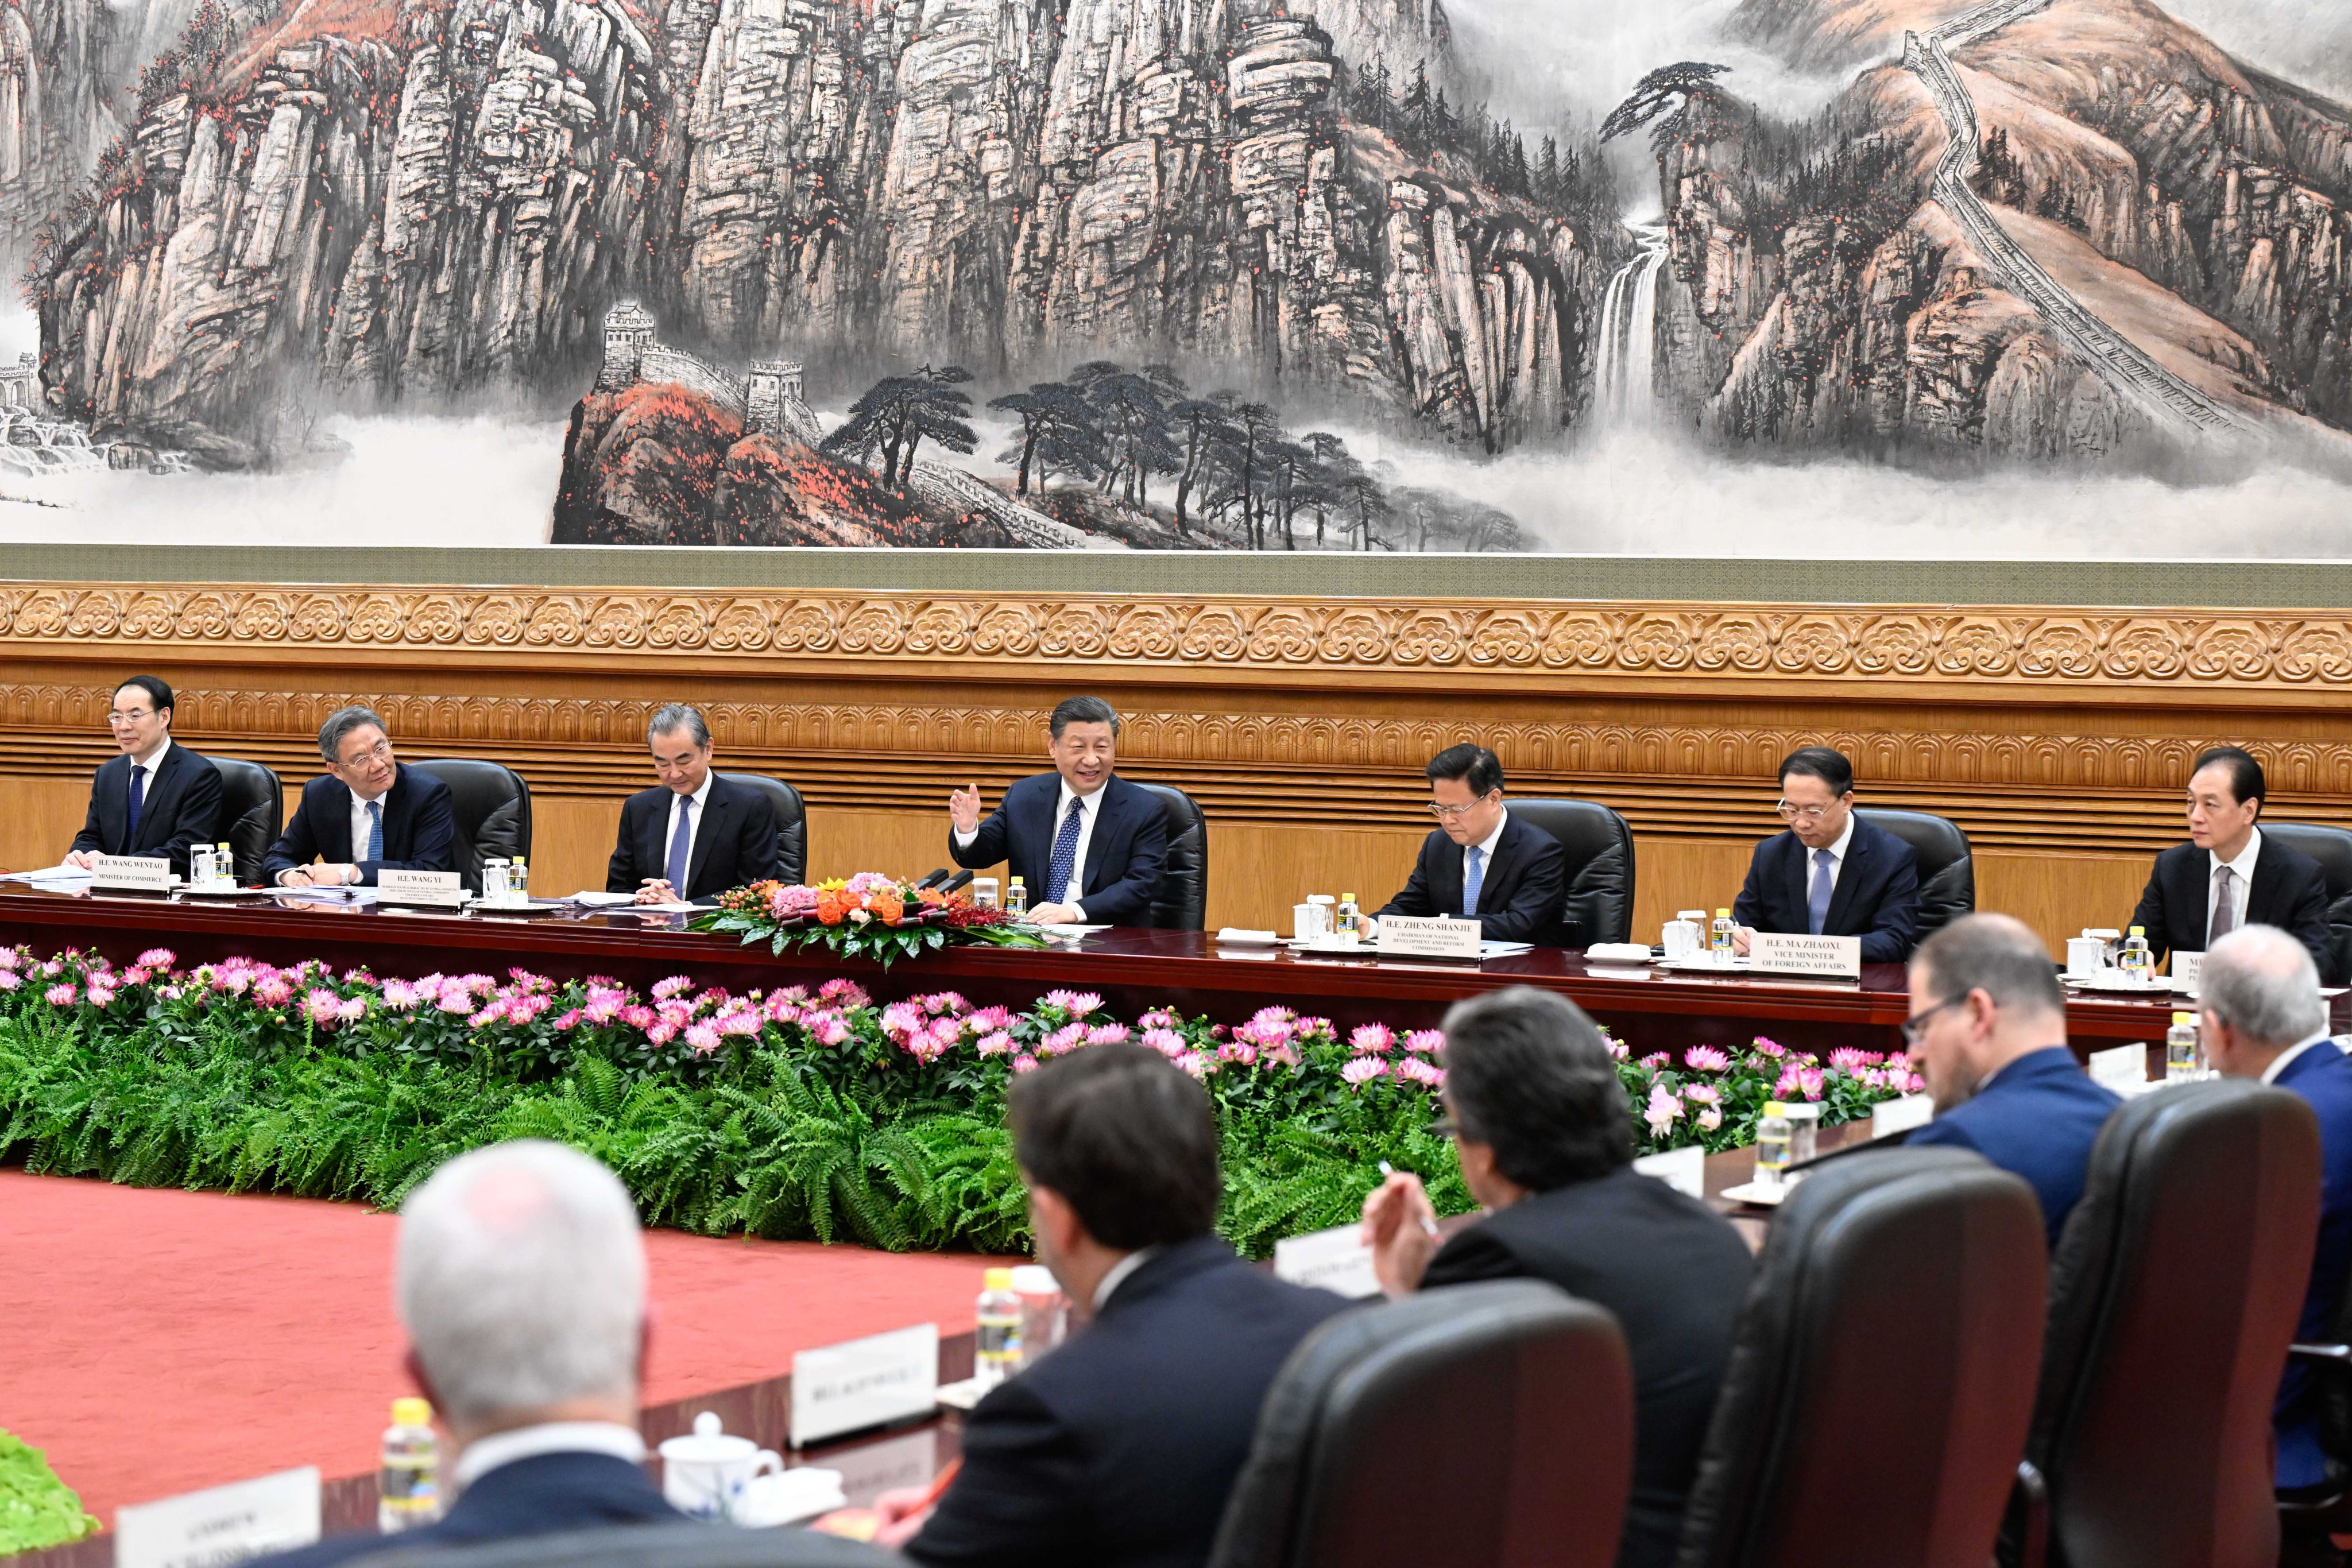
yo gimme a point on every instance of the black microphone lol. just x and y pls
(958, 882)
(933, 880)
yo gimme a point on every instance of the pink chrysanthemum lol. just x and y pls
(1362, 1070)
(1427, 1041)
(1371, 1040)
(1706, 1058)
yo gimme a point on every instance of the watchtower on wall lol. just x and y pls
(774, 400)
(628, 333)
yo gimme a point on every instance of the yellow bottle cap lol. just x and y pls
(2138, 931)
(1346, 898)
(1723, 915)
(997, 1280)
(518, 861)
(2179, 1018)
(1016, 882)
(1775, 1108)
(411, 1411)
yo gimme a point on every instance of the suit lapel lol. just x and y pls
(2263, 896)
(1106, 812)
(714, 811)
(1850, 873)
(2192, 892)
(161, 791)
(1800, 862)
(1495, 879)
(334, 835)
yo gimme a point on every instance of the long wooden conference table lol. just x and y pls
(1133, 970)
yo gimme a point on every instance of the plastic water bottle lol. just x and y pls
(199, 866)
(1016, 897)
(996, 1346)
(2136, 963)
(1348, 923)
(518, 881)
(224, 864)
(494, 881)
(1719, 939)
(408, 1486)
(2183, 1058)
(1773, 1133)
(1044, 1311)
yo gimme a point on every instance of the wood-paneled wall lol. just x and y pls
(2059, 740)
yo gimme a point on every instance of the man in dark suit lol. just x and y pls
(1830, 873)
(1087, 844)
(1118, 1448)
(158, 798)
(693, 836)
(2227, 874)
(1546, 1147)
(521, 1284)
(1481, 863)
(1988, 1030)
(2262, 1017)
(369, 814)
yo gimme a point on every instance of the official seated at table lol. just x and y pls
(2261, 1015)
(1830, 873)
(1481, 863)
(1087, 844)
(368, 815)
(521, 1285)
(1119, 1449)
(1988, 1030)
(158, 798)
(694, 835)
(1546, 1147)
(2227, 874)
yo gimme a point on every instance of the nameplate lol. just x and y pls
(1683, 1169)
(446, 888)
(1779, 953)
(865, 1382)
(1889, 1117)
(145, 873)
(220, 1524)
(2122, 1066)
(2186, 968)
(1431, 937)
(1336, 1260)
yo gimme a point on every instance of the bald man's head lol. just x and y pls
(2262, 984)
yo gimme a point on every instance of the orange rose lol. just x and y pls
(888, 906)
(829, 909)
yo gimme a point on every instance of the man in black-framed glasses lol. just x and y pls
(1481, 863)
(1830, 873)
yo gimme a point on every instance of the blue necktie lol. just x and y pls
(1817, 907)
(1474, 882)
(681, 847)
(1065, 855)
(138, 790)
(375, 829)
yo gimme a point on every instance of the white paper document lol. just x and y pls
(1336, 1260)
(1684, 1170)
(598, 899)
(48, 873)
(222, 1524)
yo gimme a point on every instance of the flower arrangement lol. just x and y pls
(868, 915)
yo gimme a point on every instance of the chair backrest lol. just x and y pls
(1829, 1445)
(1598, 906)
(2332, 848)
(252, 810)
(2173, 1295)
(492, 805)
(1947, 876)
(686, 1543)
(1183, 902)
(1487, 1426)
(791, 822)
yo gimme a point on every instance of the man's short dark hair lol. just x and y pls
(1995, 954)
(1126, 1137)
(1474, 765)
(1529, 1075)
(2245, 773)
(1083, 710)
(1820, 762)
(341, 723)
(671, 718)
(159, 690)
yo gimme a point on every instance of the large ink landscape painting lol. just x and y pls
(1765, 278)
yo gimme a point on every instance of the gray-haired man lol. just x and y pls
(369, 814)
(694, 835)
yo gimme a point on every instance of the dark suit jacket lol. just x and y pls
(537, 1496)
(2289, 891)
(1876, 899)
(420, 828)
(1518, 897)
(2322, 1076)
(2038, 1117)
(1673, 1272)
(1122, 875)
(180, 811)
(734, 845)
(1118, 1451)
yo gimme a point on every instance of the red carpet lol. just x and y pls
(159, 1342)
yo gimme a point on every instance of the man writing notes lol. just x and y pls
(693, 836)
(368, 815)
(1087, 845)
(1481, 863)
(157, 797)
(2227, 874)
(1830, 873)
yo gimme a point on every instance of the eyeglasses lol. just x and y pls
(133, 716)
(1456, 813)
(379, 752)
(1912, 1028)
(1801, 813)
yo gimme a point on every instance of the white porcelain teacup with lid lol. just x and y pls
(704, 1474)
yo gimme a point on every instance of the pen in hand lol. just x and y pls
(1427, 1224)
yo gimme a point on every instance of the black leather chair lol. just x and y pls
(1485, 1426)
(1823, 1452)
(1600, 902)
(685, 1544)
(2173, 1296)
(1948, 875)
(252, 811)
(2332, 848)
(492, 803)
(791, 822)
(1183, 902)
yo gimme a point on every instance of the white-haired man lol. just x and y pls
(522, 1287)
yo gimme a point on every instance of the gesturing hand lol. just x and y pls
(1399, 1227)
(963, 808)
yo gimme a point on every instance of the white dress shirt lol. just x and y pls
(488, 1454)
(1837, 861)
(2278, 1063)
(2242, 880)
(1117, 1274)
(1092, 808)
(701, 798)
(146, 782)
(360, 824)
(1486, 849)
